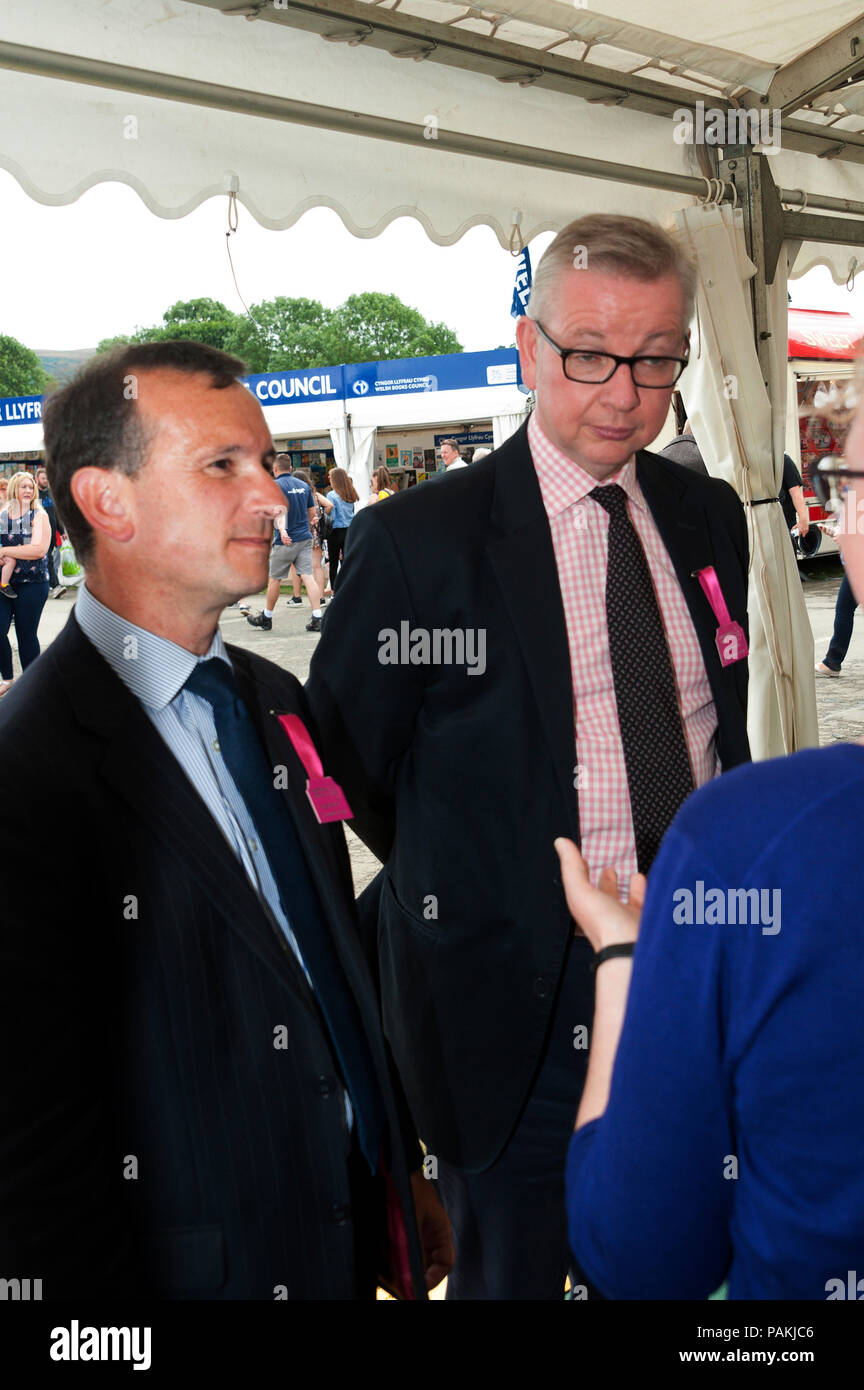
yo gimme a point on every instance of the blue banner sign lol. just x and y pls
(458, 371)
(462, 371)
(475, 437)
(284, 388)
(20, 410)
(522, 285)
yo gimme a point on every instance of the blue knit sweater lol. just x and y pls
(733, 1143)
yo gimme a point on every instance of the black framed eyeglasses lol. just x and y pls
(593, 368)
(827, 482)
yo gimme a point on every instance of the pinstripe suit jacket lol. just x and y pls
(170, 1125)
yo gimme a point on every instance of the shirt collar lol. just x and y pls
(152, 668)
(563, 482)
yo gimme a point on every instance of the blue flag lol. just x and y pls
(522, 286)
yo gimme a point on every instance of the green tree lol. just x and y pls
(372, 326)
(106, 344)
(21, 372)
(286, 333)
(204, 320)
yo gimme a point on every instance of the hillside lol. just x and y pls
(63, 365)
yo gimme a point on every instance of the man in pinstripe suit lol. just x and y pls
(200, 1102)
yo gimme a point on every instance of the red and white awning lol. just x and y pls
(824, 334)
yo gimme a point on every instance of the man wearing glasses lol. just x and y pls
(604, 700)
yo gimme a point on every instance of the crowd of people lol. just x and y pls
(310, 537)
(589, 1022)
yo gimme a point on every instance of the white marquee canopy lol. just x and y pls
(204, 101)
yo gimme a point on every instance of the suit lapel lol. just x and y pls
(684, 529)
(267, 695)
(523, 558)
(266, 698)
(144, 774)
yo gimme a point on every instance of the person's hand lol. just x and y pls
(803, 528)
(603, 919)
(284, 537)
(433, 1227)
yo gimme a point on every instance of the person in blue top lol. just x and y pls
(721, 1130)
(343, 495)
(292, 545)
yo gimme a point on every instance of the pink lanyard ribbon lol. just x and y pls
(326, 797)
(730, 639)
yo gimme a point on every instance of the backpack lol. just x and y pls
(325, 525)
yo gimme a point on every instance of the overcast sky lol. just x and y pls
(105, 265)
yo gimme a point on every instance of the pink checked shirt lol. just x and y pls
(580, 527)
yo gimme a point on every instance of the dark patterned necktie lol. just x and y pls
(250, 767)
(655, 752)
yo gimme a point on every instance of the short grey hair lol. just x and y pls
(609, 242)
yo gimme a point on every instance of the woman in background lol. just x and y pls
(382, 485)
(342, 496)
(25, 537)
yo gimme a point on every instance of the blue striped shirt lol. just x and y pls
(155, 671)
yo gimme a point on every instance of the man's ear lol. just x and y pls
(526, 341)
(103, 497)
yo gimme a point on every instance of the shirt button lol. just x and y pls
(327, 1085)
(542, 987)
(216, 748)
(340, 1214)
(253, 845)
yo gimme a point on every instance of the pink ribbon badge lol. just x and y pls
(730, 639)
(326, 797)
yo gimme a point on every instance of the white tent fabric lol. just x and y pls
(60, 137)
(340, 436)
(362, 457)
(736, 43)
(731, 417)
(354, 450)
(505, 425)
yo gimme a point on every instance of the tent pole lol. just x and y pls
(764, 232)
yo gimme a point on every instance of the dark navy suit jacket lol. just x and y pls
(155, 1140)
(461, 782)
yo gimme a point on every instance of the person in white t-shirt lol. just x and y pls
(451, 456)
